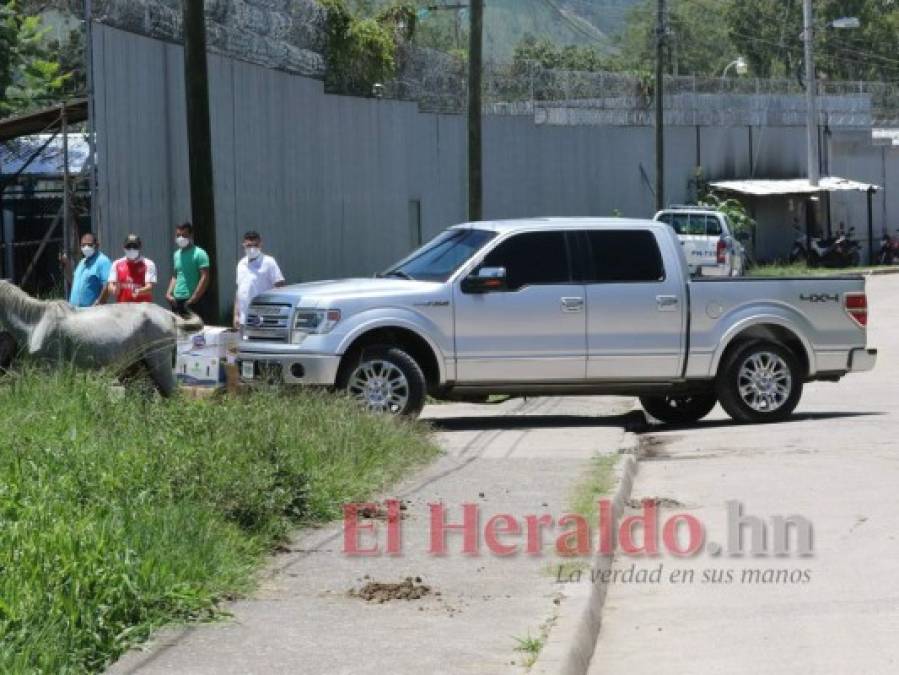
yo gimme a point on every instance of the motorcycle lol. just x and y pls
(889, 250)
(839, 251)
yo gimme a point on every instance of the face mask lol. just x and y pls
(253, 252)
(88, 251)
(132, 253)
(183, 242)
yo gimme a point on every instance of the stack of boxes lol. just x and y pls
(202, 356)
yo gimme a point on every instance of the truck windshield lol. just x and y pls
(439, 258)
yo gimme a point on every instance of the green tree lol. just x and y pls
(698, 42)
(546, 54)
(29, 75)
(766, 33)
(363, 51)
(870, 52)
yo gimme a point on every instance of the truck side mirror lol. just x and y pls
(485, 280)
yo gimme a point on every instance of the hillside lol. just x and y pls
(576, 22)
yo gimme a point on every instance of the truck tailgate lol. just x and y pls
(812, 308)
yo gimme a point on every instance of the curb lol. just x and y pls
(880, 271)
(573, 638)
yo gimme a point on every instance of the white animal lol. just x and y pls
(120, 337)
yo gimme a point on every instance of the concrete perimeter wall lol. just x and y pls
(329, 179)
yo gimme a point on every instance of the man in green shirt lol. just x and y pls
(191, 276)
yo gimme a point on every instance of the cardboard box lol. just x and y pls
(202, 356)
(211, 341)
(200, 371)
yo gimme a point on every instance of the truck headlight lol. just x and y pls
(313, 322)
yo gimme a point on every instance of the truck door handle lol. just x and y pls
(572, 304)
(667, 303)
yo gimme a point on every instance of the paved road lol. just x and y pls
(520, 457)
(836, 464)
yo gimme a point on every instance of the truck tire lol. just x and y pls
(385, 379)
(759, 382)
(679, 409)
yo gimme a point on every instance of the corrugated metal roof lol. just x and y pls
(762, 187)
(13, 154)
(39, 121)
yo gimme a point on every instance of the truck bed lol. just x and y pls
(811, 308)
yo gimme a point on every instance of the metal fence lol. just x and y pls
(439, 84)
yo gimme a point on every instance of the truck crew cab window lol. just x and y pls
(617, 256)
(680, 222)
(531, 259)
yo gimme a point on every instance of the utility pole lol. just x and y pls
(199, 138)
(661, 30)
(475, 73)
(811, 94)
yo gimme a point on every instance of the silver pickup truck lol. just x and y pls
(561, 306)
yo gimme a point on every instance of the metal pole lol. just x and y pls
(870, 226)
(475, 121)
(199, 138)
(811, 95)
(9, 237)
(66, 206)
(91, 129)
(660, 108)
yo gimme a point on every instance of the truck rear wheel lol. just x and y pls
(679, 409)
(385, 379)
(760, 381)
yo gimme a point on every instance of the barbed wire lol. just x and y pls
(623, 98)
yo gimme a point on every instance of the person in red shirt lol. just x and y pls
(133, 277)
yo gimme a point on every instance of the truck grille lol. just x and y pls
(268, 323)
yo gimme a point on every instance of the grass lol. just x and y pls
(565, 569)
(801, 270)
(120, 513)
(530, 647)
(598, 482)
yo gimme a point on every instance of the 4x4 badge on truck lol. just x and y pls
(433, 303)
(819, 297)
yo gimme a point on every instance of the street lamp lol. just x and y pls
(808, 36)
(739, 64)
(845, 22)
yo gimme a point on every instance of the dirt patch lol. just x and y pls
(379, 512)
(375, 591)
(651, 447)
(661, 502)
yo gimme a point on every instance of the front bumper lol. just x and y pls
(862, 360)
(294, 368)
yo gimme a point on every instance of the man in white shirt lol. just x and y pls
(256, 273)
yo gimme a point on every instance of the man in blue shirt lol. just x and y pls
(89, 285)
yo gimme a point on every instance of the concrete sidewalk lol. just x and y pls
(520, 457)
(837, 465)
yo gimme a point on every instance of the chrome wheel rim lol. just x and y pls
(765, 382)
(379, 386)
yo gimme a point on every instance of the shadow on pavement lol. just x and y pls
(715, 424)
(631, 421)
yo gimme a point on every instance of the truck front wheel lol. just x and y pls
(385, 380)
(679, 409)
(759, 382)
